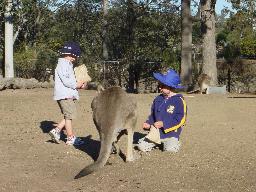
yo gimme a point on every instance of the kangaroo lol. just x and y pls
(203, 82)
(113, 112)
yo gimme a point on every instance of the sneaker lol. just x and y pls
(73, 140)
(145, 145)
(55, 135)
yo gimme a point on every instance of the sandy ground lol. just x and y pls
(218, 148)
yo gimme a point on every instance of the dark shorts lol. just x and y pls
(68, 108)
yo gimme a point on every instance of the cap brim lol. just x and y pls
(179, 87)
(64, 52)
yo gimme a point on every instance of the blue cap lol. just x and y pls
(171, 79)
(71, 48)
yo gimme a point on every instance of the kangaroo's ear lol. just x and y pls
(100, 88)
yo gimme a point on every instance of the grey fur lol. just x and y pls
(113, 111)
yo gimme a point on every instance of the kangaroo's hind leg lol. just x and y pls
(130, 126)
(129, 152)
(115, 148)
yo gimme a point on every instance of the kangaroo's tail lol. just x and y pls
(105, 150)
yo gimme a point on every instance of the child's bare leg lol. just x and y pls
(71, 138)
(61, 124)
(68, 126)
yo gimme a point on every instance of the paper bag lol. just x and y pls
(81, 73)
(154, 135)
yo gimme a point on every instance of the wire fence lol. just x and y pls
(239, 76)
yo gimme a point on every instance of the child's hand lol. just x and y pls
(159, 124)
(79, 84)
(146, 126)
(84, 86)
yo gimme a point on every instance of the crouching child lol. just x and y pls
(168, 115)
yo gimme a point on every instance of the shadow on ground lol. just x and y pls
(47, 126)
(92, 147)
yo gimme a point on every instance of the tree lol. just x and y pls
(237, 36)
(9, 71)
(104, 30)
(186, 44)
(208, 36)
(243, 32)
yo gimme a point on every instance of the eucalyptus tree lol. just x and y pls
(186, 49)
(245, 28)
(146, 34)
(237, 34)
(81, 22)
(24, 25)
(104, 30)
(33, 21)
(208, 37)
(8, 15)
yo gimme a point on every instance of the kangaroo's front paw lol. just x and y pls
(134, 157)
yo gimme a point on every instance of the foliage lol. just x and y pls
(237, 35)
(142, 36)
(137, 34)
(248, 45)
(81, 23)
(34, 63)
(24, 63)
(45, 64)
(171, 59)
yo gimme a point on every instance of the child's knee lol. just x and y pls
(171, 144)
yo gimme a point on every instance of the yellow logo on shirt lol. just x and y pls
(170, 109)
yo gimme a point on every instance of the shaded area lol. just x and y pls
(90, 146)
(137, 136)
(47, 126)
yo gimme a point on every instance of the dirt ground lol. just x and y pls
(218, 147)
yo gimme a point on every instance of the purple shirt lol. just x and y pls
(172, 111)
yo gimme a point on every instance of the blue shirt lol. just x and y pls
(172, 111)
(65, 81)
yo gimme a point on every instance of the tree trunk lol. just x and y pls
(104, 30)
(208, 35)
(9, 71)
(186, 46)
(130, 24)
(104, 39)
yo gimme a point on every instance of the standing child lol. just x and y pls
(168, 115)
(65, 92)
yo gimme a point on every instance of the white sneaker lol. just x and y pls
(145, 145)
(73, 140)
(55, 135)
